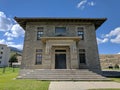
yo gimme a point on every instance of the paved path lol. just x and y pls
(70, 85)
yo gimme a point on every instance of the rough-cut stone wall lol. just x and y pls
(109, 60)
(91, 48)
(31, 44)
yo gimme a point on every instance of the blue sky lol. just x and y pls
(108, 35)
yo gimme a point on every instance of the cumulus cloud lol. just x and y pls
(5, 22)
(10, 27)
(18, 46)
(99, 41)
(11, 44)
(114, 32)
(16, 31)
(11, 31)
(2, 41)
(114, 35)
(116, 39)
(83, 3)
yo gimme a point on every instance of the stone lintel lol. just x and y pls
(45, 39)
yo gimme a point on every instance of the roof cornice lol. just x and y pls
(23, 20)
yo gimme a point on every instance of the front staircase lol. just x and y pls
(60, 74)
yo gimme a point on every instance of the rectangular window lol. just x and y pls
(0, 57)
(38, 56)
(0, 62)
(1, 52)
(80, 32)
(82, 58)
(60, 31)
(39, 33)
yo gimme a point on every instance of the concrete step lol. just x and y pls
(56, 74)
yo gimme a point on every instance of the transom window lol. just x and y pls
(81, 50)
(60, 50)
(38, 56)
(60, 31)
(39, 33)
(80, 32)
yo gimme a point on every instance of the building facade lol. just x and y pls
(4, 55)
(60, 43)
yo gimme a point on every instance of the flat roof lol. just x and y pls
(23, 20)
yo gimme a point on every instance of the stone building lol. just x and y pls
(60, 43)
(4, 55)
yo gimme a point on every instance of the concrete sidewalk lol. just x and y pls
(71, 85)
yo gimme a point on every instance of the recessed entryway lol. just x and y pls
(60, 61)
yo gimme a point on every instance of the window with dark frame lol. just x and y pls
(38, 56)
(80, 32)
(60, 31)
(1, 52)
(0, 57)
(39, 33)
(82, 56)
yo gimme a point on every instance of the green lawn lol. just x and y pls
(8, 82)
(116, 79)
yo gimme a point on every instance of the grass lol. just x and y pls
(116, 79)
(8, 81)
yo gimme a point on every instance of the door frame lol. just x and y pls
(68, 61)
(59, 62)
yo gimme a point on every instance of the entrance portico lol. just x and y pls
(62, 52)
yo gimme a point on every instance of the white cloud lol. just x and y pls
(99, 41)
(11, 30)
(114, 32)
(118, 53)
(2, 41)
(116, 39)
(10, 27)
(5, 22)
(18, 46)
(11, 44)
(83, 3)
(9, 38)
(91, 3)
(114, 35)
(16, 31)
